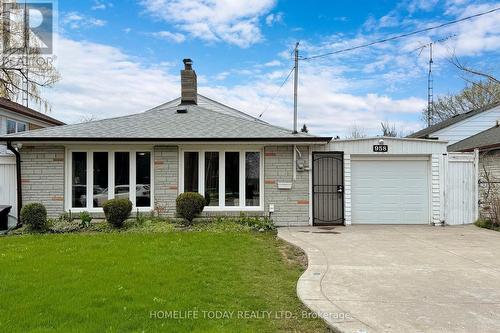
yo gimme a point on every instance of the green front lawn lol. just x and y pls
(116, 282)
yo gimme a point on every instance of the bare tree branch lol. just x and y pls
(455, 61)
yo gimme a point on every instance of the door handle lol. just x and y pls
(340, 189)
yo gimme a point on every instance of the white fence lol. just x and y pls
(461, 195)
(8, 183)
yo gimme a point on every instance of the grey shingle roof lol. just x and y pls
(164, 123)
(453, 120)
(488, 138)
(210, 104)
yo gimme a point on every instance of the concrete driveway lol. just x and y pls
(401, 278)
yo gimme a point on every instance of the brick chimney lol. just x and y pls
(189, 86)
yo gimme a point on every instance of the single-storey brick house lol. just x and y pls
(190, 144)
(239, 163)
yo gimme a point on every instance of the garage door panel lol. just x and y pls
(390, 191)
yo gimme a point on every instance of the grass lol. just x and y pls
(114, 281)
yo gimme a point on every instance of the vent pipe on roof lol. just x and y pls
(189, 85)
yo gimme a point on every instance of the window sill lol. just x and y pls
(100, 210)
(232, 209)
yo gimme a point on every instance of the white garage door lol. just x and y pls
(390, 191)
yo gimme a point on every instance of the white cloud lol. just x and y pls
(272, 63)
(175, 37)
(103, 81)
(75, 20)
(325, 104)
(274, 18)
(424, 5)
(101, 5)
(235, 22)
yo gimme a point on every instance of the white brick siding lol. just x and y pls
(291, 206)
(166, 178)
(42, 177)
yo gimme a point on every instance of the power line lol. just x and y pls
(401, 36)
(278, 91)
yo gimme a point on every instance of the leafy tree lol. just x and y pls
(22, 73)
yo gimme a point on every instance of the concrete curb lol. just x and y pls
(310, 291)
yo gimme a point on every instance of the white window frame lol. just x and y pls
(111, 176)
(17, 122)
(222, 176)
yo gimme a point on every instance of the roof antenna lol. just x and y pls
(430, 89)
(430, 78)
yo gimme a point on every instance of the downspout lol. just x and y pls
(19, 187)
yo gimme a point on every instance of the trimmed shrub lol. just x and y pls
(117, 211)
(189, 205)
(34, 215)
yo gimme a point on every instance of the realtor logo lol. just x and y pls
(27, 27)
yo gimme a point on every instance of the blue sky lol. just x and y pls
(122, 57)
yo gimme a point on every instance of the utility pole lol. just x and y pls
(295, 88)
(430, 90)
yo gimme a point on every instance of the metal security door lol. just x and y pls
(328, 188)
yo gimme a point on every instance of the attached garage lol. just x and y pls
(382, 181)
(390, 190)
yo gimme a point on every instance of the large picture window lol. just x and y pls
(143, 179)
(252, 179)
(212, 178)
(100, 179)
(97, 176)
(79, 180)
(122, 175)
(232, 179)
(191, 171)
(229, 179)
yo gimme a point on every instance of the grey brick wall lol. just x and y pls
(166, 178)
(43, 173)
(42, 177)
(291, 207)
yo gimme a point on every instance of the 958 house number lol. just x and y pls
(380, 148)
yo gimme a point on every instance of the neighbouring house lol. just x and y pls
(16, 118)
(241, 164)
(477, 129)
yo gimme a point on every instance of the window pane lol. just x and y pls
(212, 178)
(122, 175)
(100, 179)
(232, 169)
(21, 127)
(190, 172)
(79, 180)
(143, 180)
(11, 126)
(252, 179)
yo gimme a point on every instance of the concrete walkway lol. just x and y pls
(401, 278)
